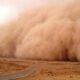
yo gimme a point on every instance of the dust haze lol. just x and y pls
(49, 32)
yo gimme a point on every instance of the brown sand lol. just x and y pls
(44, 70)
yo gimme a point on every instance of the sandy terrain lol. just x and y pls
(44, 70)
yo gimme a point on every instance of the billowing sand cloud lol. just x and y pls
(49, 32)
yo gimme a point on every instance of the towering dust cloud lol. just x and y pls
(47, 32)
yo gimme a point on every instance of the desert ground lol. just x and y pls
(44, 70)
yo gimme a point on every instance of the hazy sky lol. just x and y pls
(11, 8)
